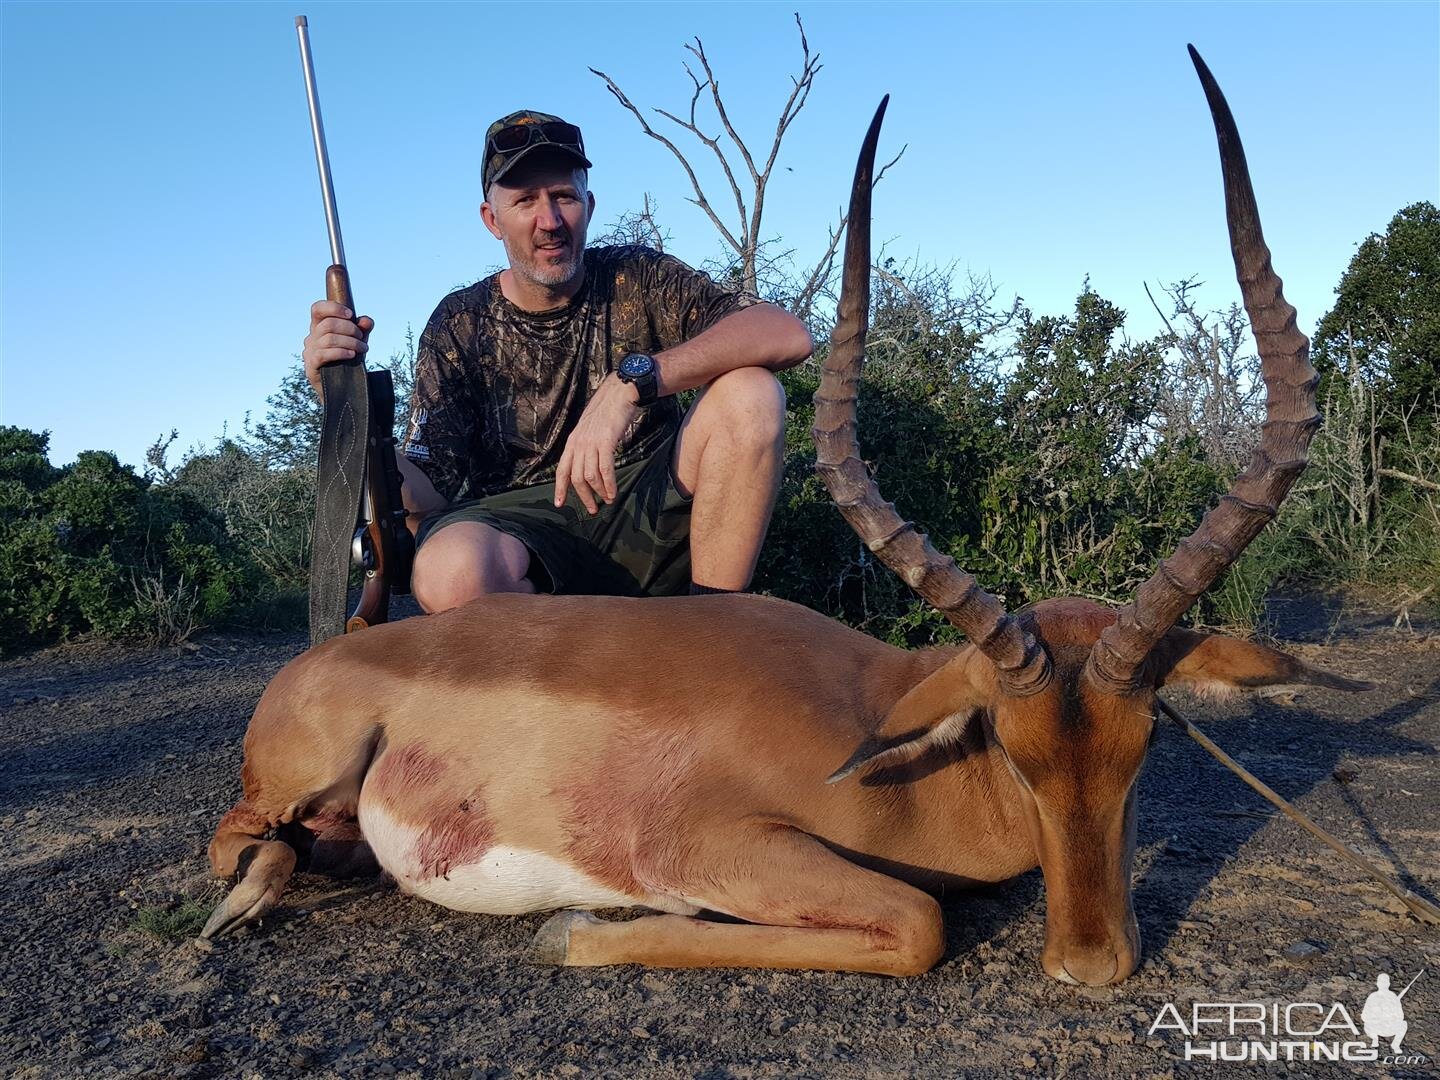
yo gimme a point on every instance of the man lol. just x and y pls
(545, 449)
(1383, 1014)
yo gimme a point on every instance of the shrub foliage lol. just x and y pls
(93, 547)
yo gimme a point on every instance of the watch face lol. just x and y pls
(637, 365)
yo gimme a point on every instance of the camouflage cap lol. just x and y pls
(499, 162)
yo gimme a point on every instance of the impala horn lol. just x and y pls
(1023, 666)
(1117, 661)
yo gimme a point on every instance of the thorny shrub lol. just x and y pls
(1053, 456)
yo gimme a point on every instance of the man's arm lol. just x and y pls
(759, 336)
(417, 493)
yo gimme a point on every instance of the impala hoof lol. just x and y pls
(552, 941)
(242, 907)
(256, 893)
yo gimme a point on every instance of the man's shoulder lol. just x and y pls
(611, 258)
(466, 300)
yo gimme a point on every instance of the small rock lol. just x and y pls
(113, 998)
(1301, 952)
(641, 1033)
(1344, 775)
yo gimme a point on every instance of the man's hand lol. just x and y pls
(588, 461)
(335, 335)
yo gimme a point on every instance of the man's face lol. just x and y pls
(540, 211)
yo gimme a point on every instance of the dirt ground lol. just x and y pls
(115, 765)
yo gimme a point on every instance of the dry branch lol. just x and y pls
(742, 235)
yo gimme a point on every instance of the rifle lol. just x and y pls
(359, 516)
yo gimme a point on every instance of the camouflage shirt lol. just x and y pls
(498, 389)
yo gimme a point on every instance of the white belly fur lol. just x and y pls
(505, 880)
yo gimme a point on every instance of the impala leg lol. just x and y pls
(264, 867)
(341, 852)
(808, 908)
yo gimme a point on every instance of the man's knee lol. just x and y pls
(753, 403)
(466, 560)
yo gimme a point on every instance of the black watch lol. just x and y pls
(639, 369)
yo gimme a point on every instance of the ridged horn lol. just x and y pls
(1023, 666)
(1291, 420)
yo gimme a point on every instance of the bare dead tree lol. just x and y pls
(636, 227)
(821, 277)
(1213, 391)
(742, 233)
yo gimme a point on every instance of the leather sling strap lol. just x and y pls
(339, 481)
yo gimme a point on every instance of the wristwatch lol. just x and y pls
(639, 369)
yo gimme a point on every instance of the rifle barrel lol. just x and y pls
(322, 156)
(1410, 984)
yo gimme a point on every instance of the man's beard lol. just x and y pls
(548, 275)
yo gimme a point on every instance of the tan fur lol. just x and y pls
(676, 751)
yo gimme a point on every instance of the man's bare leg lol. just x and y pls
(466, 560)
(730, 455)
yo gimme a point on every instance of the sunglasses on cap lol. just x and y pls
(519, 136)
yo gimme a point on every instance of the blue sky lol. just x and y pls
(163, 234)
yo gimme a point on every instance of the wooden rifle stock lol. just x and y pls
(383, 546)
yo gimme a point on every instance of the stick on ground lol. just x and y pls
(1421, 908)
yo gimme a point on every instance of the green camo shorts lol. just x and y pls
(639, 545)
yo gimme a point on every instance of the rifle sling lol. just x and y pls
(339, 480)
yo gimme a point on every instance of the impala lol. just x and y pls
(757, 760)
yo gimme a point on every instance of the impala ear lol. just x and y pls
(1221, 666)
(933, 713)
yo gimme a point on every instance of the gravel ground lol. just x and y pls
(116, 764)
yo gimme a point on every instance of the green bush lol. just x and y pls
(94, 548)
(1042, 479)
(266, 508)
